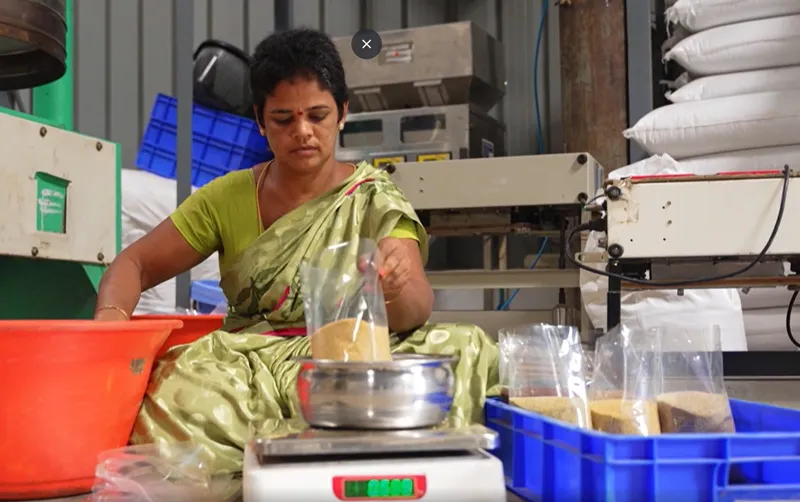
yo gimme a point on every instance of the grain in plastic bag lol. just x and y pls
(344, 304)
(545, 372)
(693, 398)
(626, 381)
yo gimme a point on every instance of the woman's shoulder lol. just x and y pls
(228, 185)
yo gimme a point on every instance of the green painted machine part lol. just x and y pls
(33, 288)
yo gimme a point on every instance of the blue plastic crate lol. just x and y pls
(221, 142)
(548, 461)
(207, 296)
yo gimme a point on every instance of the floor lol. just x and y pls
(82, 498)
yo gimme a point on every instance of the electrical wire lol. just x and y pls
(506, 304)
(593, 225)
(792, 300)
(537, 107)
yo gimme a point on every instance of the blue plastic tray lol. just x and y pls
(221, 142)
(207, 295)
(547, 461)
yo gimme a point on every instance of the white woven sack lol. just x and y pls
(698, 15)
(736, 84)
(758, 159)
(752, 45)
(713, 126)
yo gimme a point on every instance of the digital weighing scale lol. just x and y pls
(432, 465)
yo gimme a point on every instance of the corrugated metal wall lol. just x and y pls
(124, 53)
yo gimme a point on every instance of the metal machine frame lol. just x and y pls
(676, 228)
(516, 195)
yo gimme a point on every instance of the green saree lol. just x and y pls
(210, 391)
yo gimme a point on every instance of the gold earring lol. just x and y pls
(341, 126)
(262, 132)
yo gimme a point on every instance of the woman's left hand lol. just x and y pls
(395, 270)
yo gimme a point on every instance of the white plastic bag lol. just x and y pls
(165, 473)
(752, 45)
(737, 84)
(698, 15)
(720, 125)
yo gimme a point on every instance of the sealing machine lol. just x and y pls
(689, 231)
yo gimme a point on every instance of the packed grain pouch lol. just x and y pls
(751, 45)
(659, 308)
(692, 396)
(625, 383)
(691, 129)
(344, 305)
(545, 368)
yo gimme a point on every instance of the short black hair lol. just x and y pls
(301, 52)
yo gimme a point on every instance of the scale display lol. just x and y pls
(379, 487)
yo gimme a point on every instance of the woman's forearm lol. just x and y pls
(120, 288)
(411, 308)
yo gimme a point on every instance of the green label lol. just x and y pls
(51, 203)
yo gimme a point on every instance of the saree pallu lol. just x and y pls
(209, 392)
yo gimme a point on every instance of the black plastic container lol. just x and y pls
(222, 78)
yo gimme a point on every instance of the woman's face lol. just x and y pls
(301, 124)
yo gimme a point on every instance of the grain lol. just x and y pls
(617, 416)
(572, 410)
(690, 412)
(351, 340)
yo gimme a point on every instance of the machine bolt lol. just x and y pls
(583, 198)
(34, 251)
(582, 159)
(615, 251)
(99, 146)
(101, 257)
(613, 192)
(43, 132)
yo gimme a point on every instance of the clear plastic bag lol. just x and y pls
(344, 304)
(150, 473)
(693, 398)
(626, 380)
(545, 372)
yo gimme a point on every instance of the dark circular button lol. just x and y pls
(366, 44)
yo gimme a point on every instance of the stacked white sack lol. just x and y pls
(650, 309)
(700, 15)
(147, 200)
(695, 128)
(749, 45)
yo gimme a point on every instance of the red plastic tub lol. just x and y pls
(194, 327)
(71, 390)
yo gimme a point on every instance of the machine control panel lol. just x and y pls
(411, 487)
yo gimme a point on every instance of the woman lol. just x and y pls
(264, 222)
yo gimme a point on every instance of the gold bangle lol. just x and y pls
(112, 307)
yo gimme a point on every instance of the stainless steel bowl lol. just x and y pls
(411, 391)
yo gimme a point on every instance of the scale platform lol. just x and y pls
(294, 464)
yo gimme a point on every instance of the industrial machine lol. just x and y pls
(60, 190)
(726, 230)
(541, 195)
(425, 97)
